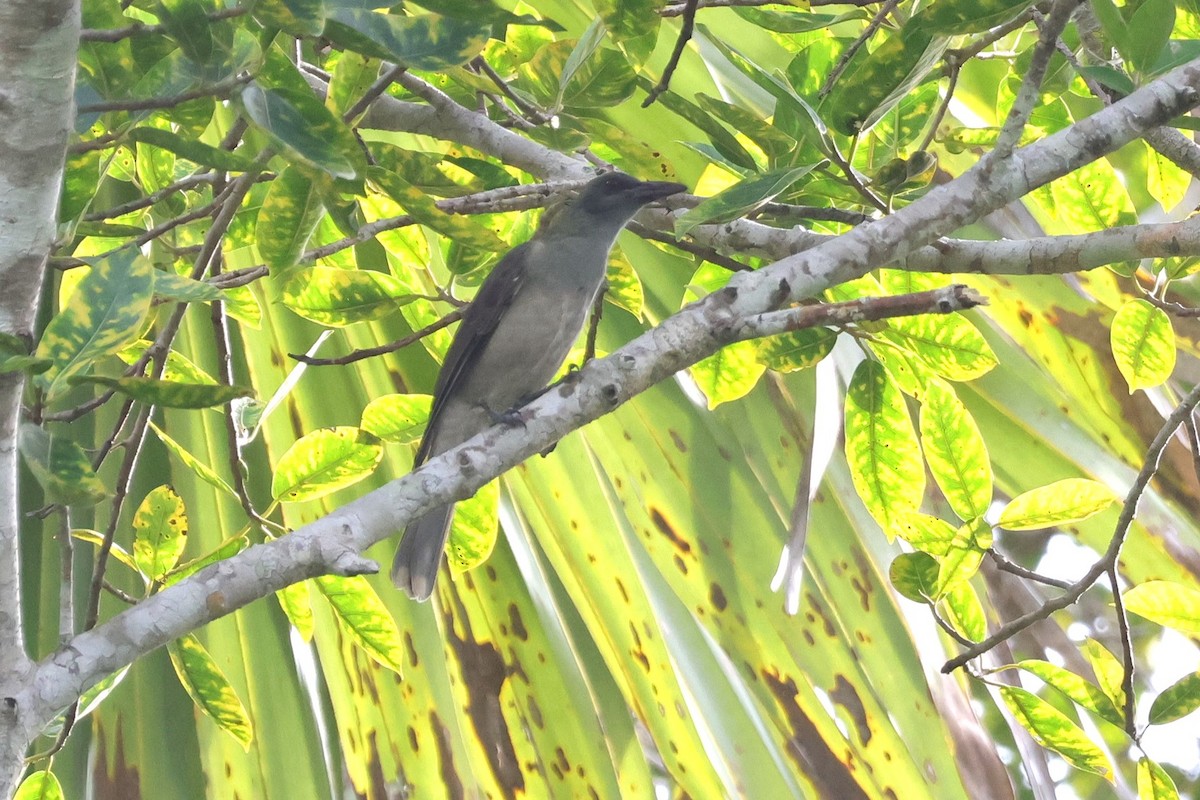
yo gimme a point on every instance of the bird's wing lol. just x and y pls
(475, 330)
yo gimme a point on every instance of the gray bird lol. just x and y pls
(514, 337)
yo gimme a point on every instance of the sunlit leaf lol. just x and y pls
(1054, 730)
(1167, 603)
(954, 449)
(1143, 344)
(1059, 503)
(103, 313)
(364, 616)
(339, 297)
(397, 418)
(208, 687)
(881, 447)
(324, 461)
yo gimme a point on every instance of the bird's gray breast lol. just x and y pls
(533, 338)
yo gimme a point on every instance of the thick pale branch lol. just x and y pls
(692, 334)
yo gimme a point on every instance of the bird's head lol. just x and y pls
(607, 202)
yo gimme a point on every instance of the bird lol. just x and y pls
(514, 337)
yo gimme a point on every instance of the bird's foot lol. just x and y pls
(512, 417)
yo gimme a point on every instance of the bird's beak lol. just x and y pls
(649, 191)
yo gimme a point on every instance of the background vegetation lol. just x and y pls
(270, 212)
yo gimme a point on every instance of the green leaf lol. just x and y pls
(630, 19)
(560, 76)
(971, 542)
(795, 21)
(1177, 700)
(178, 368)
(187, 23)
(160, 529)
(178, 287)
(955, 451)
(473, 536)
(1153, 782)
(965, 612)
(1114, 24)
(324, 461)
(928, 534)
(624, 286)
(1110, 674)
(105, 311)
(948, 344)
(192, 149)
(881, 447)
(424, 41)
(584, 49)
(795, 350)
(364, 616)
(297, 17)
(1090, 198)
(60, 467)
(227, 549)
(169, 394)
(339, 297)
(42, 785)
(728, 374)
(201, 470)
(1150, 27)
(1060, 503)
(115, 550)
(875, 81)
(209, 689)
(1081, 691)
(1171, 604)
(461, 229)
(397, 418)
(288, 217)
(300, 122)
(296, 602)
(958, 17)
(1054, 730)
(1143, 344)
(915, 576)
(741, 198)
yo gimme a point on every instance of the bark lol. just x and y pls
(38, 41)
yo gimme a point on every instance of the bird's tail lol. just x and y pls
(415, 567)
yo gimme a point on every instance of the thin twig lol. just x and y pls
(687, 246)
(1193, 443)
(1127, 663)
(1027, 96)
(847, 54)
(219, 90)
(943, 107)
(110, 35)
(181, 185)
(373, 92)
(1005, 565)
(685, 35)
(819, 213)
(1109, 559)
(391, 347)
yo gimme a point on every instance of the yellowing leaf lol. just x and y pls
(1054, 730)
(881, 447)
(1143, 344)
(364, 616)
(1167, 603)
(160, 529)
(208, 687)
(1059, 503)
(324, 461)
